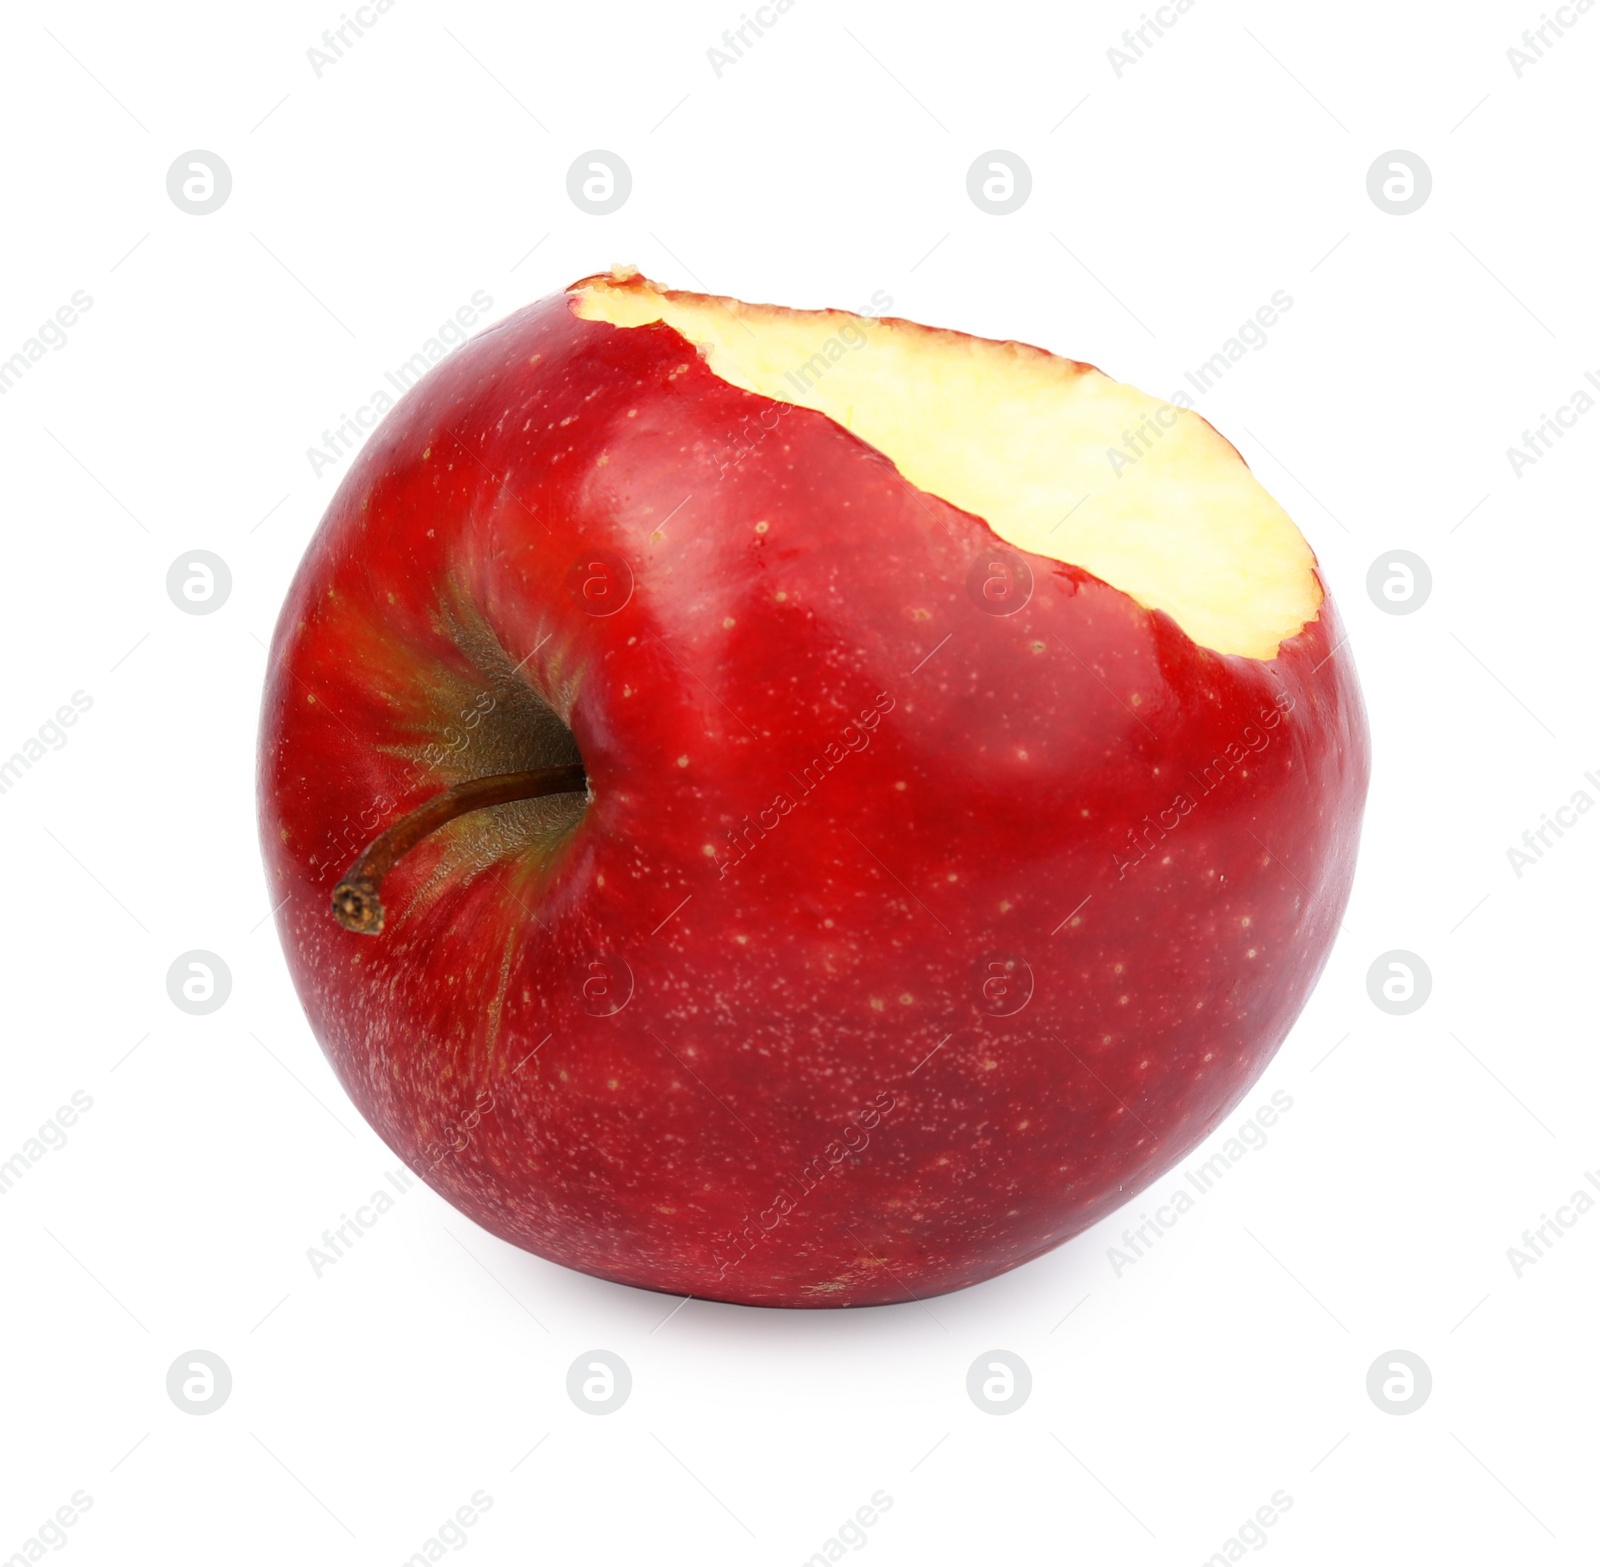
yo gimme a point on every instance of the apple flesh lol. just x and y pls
(967, 815)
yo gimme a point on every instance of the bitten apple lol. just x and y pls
(796, 809)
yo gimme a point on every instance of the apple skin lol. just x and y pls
(819, 1090)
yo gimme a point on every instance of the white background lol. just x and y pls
(1168, 203)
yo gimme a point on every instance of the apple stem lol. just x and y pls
(356, 904)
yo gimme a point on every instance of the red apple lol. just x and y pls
(961, 774)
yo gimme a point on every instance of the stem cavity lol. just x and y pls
(356, 904)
